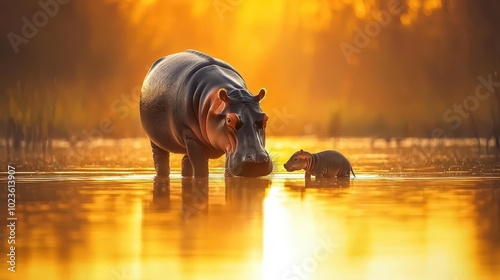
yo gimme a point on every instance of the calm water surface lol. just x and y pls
(419, 210)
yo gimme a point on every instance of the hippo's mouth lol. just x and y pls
(251, 169)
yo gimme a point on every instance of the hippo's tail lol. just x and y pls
(353, 172)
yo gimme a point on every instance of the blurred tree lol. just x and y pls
(89, 58)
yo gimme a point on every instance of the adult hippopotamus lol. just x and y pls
(199, 106)
(321, 165)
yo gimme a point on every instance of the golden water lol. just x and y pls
(412, 212)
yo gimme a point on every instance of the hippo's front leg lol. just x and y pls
(198, 157)
(308, 176)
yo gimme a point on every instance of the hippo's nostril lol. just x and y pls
(249, 158)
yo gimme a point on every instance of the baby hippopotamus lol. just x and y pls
(323, 164)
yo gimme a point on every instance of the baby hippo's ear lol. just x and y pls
(223, 95)
(261, 95)
(301, 152)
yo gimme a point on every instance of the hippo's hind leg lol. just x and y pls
(187, 168)
(344, 174)
(161, 160)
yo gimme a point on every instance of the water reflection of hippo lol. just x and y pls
(199, 106)
(323, 164)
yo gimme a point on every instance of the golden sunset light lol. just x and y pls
(250, 139)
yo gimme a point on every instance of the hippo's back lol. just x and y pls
(332, 157)
(173, 73)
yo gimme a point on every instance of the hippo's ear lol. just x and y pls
(301, 152)
(223, 95)
(261, 95)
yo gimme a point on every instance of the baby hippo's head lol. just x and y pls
(297, 161)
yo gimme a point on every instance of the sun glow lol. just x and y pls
(276, 238)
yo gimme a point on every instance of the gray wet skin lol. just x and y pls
(199, 106)
(326, 164)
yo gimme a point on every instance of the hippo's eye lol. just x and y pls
(232, 121)
(262, 124)
(295, 159)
